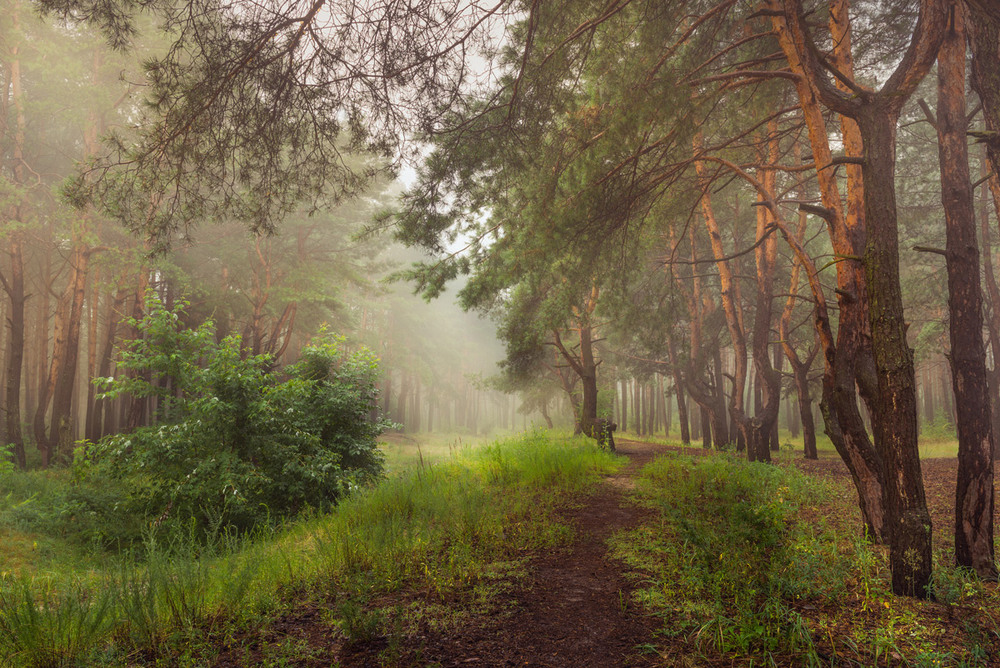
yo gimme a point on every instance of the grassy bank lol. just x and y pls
(750, 564)
(447, 527)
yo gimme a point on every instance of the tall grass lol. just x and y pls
(727, 558)
(740, 562)
(437, 529)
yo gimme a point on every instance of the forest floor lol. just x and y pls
(572, 606)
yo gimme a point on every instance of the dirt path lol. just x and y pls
(574, 607)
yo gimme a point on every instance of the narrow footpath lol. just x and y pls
(574, 609)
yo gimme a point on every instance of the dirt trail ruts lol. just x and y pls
(572, 609)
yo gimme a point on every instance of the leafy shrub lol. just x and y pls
(234, 444)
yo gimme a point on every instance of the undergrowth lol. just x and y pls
(445, 528)
(740, 562)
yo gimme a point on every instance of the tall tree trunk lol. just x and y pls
(847, 362)
(876, 113)
(15, 348)
(682, 412)
(66, 353)
(96, 424)
(974, 492)
(984, 38)
(15, 285)
(895, 412)
(624, 406)
(993, 322)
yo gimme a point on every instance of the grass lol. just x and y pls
(937, 439)
(404, 452)
(743, 567)
(451, 527)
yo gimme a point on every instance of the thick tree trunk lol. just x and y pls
(847, 363)
(974, 492)
(895, 421)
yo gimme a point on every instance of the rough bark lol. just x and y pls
(993, 322)
(895, 428)
(895, 415)
(847, 361)
(974, 492)
(984, 39)
(61, 431)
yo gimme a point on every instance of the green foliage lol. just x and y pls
(940, 428)
(234, 445)
(455, 528)
(6, 459)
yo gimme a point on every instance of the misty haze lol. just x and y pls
(447, 333)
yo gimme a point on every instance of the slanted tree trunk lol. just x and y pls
(847, 361)
(894, 407)
(974, 492)
(66, 353)
(14, 286)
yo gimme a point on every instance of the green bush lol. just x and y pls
(234, 444)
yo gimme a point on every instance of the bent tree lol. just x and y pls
(895, 416)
